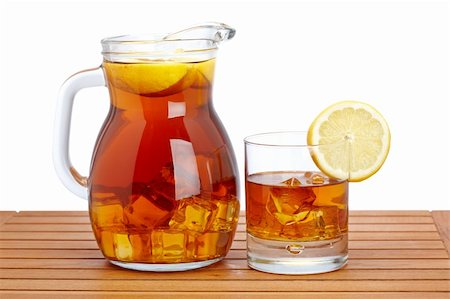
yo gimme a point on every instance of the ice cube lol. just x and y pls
(262, 223)
(107, 244)
(292, 182)
(103, 196)
(330, 222)
(339, 201)
(317, 179)
(151, 209)
(309, 229)
(291, 219)
(320, 223)
(226, 216)
(142, 246)
(289, 205)
(107, 215)
(213, 244)
(122, 247)
(195, 214)
(191, 245)
(168, 245)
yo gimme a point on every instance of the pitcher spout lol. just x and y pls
(213, 31)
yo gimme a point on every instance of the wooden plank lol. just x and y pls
(91, 244)
(394, 236)
(396, 219)
(86, 220)
(86, 244)
(260, 285)
(50, 219)
(215, 274)
(353, 213)
(6, 215)
(397, 254)
(52, 230)
(240, 236)
(219, 295)
(53, 214)
(421, 227)
(392, 227)
(241, 227)
(55, 217)
(44, 244)
(47, 236)
(412, 264)
(391, 219)
(442, 221)
(400, 264)
(383, 213)
(366, 254)
(233, 254)
(26, 227)
(55, 253)
(378, 244)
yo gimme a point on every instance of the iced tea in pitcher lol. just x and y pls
(163, 183)
(177, 201)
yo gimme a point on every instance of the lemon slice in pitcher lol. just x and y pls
(150, 78)
(359, 138)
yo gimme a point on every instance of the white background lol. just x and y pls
(288, 61)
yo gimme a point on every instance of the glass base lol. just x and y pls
(290, 257)
(165, 267)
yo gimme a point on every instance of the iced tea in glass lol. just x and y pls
(297, 216)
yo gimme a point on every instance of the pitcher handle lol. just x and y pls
(69, 176)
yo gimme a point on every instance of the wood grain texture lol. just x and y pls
(393, 254)
(260, 285)
(6, 215)
(206, 274)
(219, 295)
(442, 221)
(233, 254)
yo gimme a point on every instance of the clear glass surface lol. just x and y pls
(163, 181)
(297, 216)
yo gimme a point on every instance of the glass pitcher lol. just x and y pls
(163, 181)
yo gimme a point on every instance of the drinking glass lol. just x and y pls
(297, 216)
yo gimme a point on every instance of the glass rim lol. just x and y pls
(147, 43)
(156, 48)
(296, 143)
(193, 44)
(146, 39)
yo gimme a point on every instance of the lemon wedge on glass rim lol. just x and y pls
(355, 139)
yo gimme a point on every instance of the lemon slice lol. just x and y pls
(150, 78)
(205, 74)
(354, 139)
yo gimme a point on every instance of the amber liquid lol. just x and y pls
(300, 206)
(163, 178)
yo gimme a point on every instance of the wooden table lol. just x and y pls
(393, 254)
